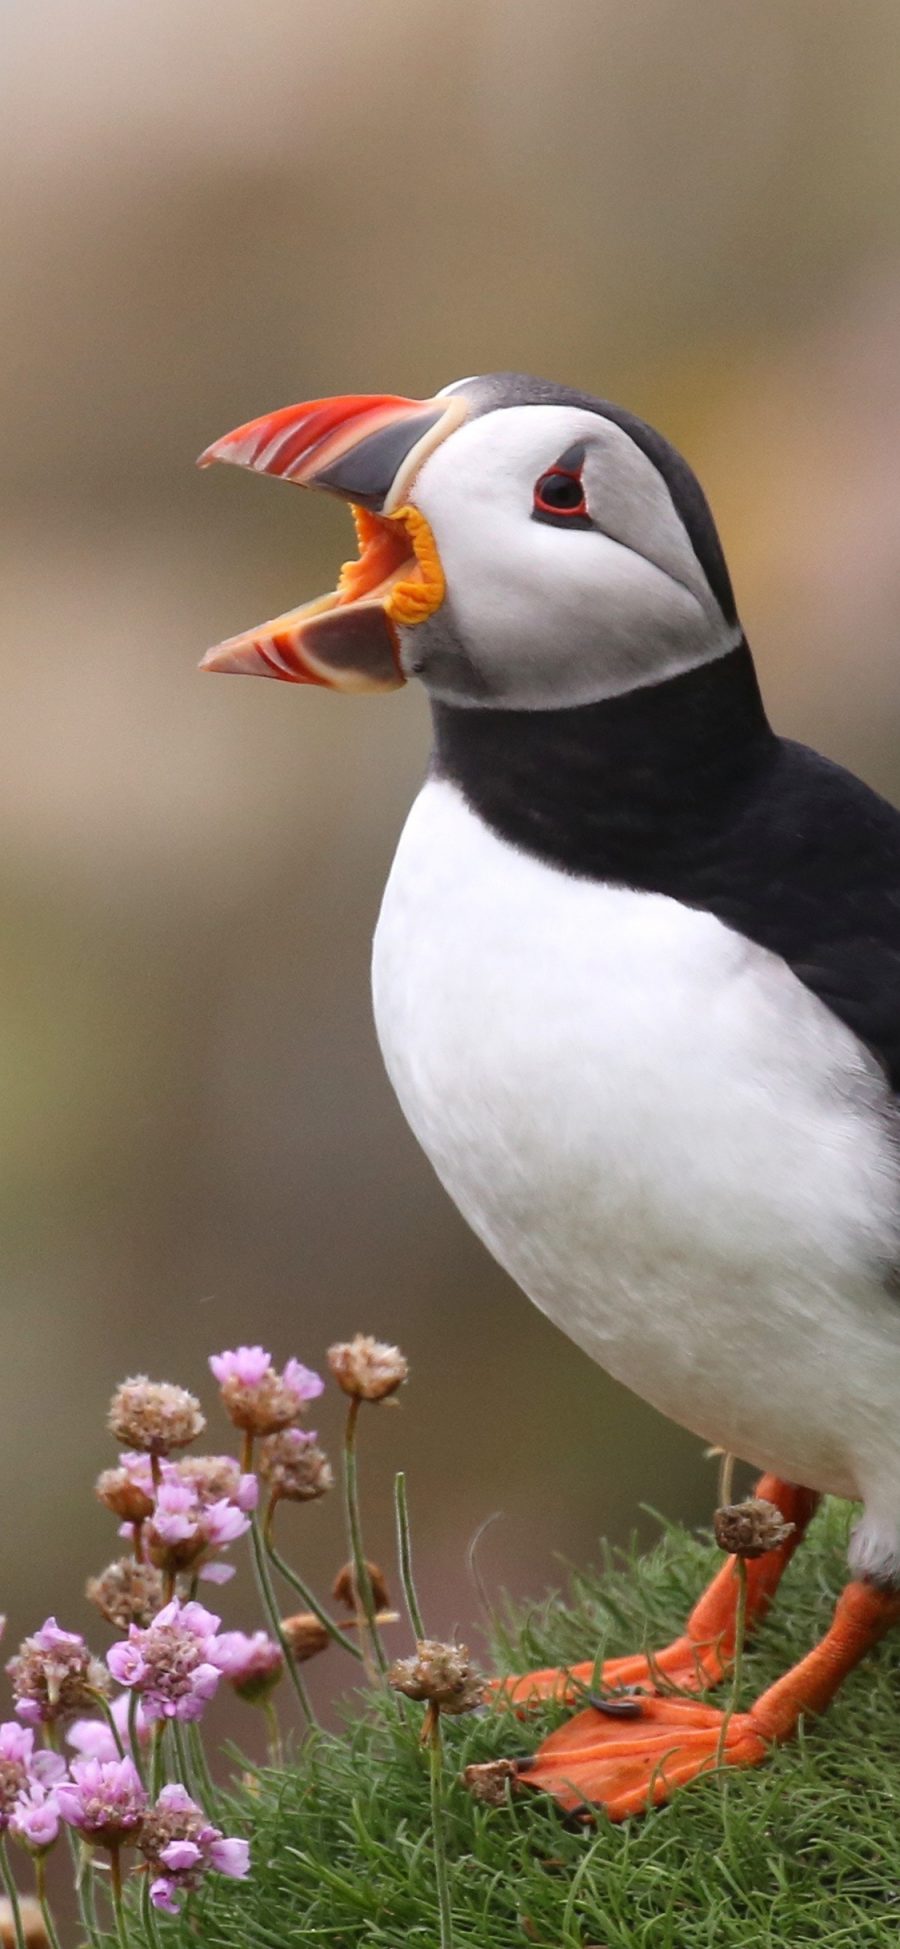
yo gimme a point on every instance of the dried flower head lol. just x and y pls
(128, 1489)
(54, 1673)
(21, 1767)
(305, 1635)
(752, 1528)
(492, 1782)
(104, 1800)
(154, 1415)
(258, 1398)
(367, 1369)
(441, 1675)
(294, 1466)
(180, 1845)
(217, 1478)
(344, 1590)
(126, 1592)
(251, 1662)
(173, 1664)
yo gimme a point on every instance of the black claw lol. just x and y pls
(624, 1708)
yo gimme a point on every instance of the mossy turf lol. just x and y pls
(805, 1849)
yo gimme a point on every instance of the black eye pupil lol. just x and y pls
(560, 491)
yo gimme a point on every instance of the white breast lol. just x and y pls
(673, 1146)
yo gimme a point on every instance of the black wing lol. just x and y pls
(811, 870)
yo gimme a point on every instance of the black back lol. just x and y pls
(683, 789)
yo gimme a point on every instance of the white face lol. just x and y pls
(547, 615)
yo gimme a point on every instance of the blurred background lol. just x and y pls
(213, 210)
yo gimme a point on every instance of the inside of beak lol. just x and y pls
(397, 561)
(348, 640)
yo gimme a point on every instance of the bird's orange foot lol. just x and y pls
(684, 1665)
(705, 1654)
(629, 1754)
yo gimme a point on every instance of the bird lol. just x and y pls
(636, 983)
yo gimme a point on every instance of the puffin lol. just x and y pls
(636, 983)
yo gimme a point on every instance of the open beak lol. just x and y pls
(366, 448)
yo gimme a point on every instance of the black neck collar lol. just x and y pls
(614, 790)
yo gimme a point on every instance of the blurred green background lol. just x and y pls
(213, 209)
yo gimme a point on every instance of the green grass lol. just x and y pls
(803, 1850)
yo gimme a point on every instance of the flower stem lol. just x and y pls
(740, 1636)
(276, 1748)
(12, 1895)
(115, 1884)
(365, 1601)
(404, 1551)
(157, 1758)
(84, 1888)
(133, 1740)
(312, 1604)
(195, 1745)
(81, 1859)
(740, 1632)
(247, 1452)
(107, 1712)
(432, 1733)
(40, 1881)
(148, 1913)
(270, 1606)
(185, 1763)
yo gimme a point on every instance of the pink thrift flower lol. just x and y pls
(258, 1398)
(251, 1663)
(303, 1381)
(139, 1470)
(104, 1800)
(247, 1494)
(184, 1531)
(129, 1489)
(21, 1767)
(35, 1817)
(246, 1365)
(92, 1739)
(16, 1744)
(229, 1857)
(215, 1572)
(173, 1662)
(181, 1845)
(176, 1516)
(224, 1522)
(53, 1673)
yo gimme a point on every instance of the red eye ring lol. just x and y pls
(560, 494)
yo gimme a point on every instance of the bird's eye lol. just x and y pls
(559, 496)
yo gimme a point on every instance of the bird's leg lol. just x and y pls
(629, 1764)
(703, 1655)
